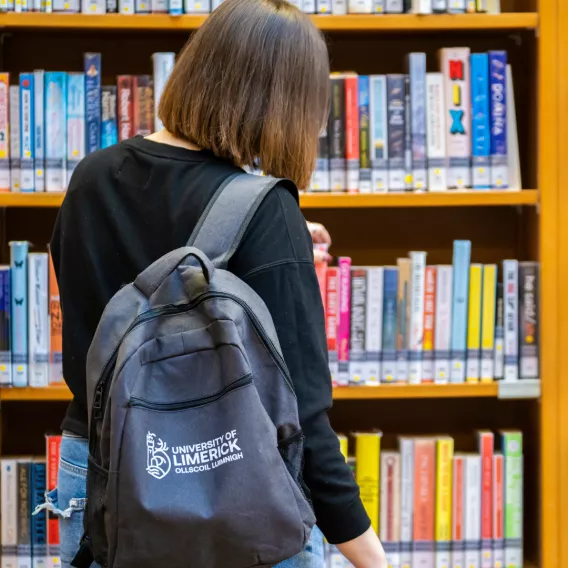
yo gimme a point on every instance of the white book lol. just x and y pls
(163, 64)
(360, 6)
(416, 331)
(93, 6)
(27, 131)
(421, 6)
(456, 6)
(338, 7)
(38, 319)
(323, 6)
(443, 327)
(472, 510)
(394, 6)
(458, 503)
(439, 6)
(378, 120)
(493, 6)
(126, 7)
(143, 6)
(513, 160)
(406, 446)
(4, 132)
(511, 319)
(15, 172)
(9, 511)
(197, 6)
(436, 132)
(39, 133)
(159, 6)
(378, 6)
(389, 504)
(374, 325)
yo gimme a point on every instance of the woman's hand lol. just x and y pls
(321, 240)
(365, 551)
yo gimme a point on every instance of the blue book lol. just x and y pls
(39, 521)
(460, 296)
(75, 121)
(365, 185)
(176, 7)
(27, 132)
(19, 320)
(5, 329)
(498, 90)
(109, 127)
(55, 130)
(389, 324)
(39, 133)
(93, 101)
(416, 64)
(480, 128)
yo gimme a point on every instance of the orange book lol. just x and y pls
(429, 324)
(56, 319)
(458, 553)
(424, 501)
(352, 132)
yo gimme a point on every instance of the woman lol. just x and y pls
(251, 85)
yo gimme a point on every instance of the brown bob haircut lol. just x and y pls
(252, 84)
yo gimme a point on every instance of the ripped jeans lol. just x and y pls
(69, 499)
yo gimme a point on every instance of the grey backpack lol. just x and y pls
(195, 443)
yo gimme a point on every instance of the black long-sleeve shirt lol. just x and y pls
(129, 205)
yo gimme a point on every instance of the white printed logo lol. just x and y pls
(158, 463)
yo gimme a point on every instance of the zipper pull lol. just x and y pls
(98, 403)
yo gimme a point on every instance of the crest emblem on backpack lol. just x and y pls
(158, 462)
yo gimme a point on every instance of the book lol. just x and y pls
(56, 328)
(163, 63)
(19, 315)
(55, 130)
(24, 547)
(126, 7)
(498, 98)
(406, 446)
(53, 444)
(360, 6)
(394, 7)
(416, 319)
(343, 326)
(332, 321)
(4, 133)
(458, 494)
(389, 350)
(528, 320)
(485, 444)
(158, 6)
(499, 352)
(94, 6)
(379, 133)
(38, 521)
(5, 326)
(428, 367)
(352, 132)
(125, 89)
(357, 352)
(38, 319)
(309, 6)
(436, 132)
(343, 445)
(109, 125)
(403, 318)
(439, 6)
(142, 6)
(488, 321)
(323, 6)
(143, 105)
(379, 6)
(368, 456)
(498, 524)
(480, 127)
(408, 179)
(473, 368)
(396, 131)
(9, 511)
(443, 519)
(339, 7)
(337, 135)
(390, 510)
(112, 6)
(76, 121)
(456, 6)
(421, 7)
(93, 70)
(416, 65)
(511, 319)
(14, 137)
(513, 158)
(39, 133)
(27, 128)
(374, 325)
(472, 510)
(443, 330)
(365, 181)
(320, 179)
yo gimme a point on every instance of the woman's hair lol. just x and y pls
(252, 84)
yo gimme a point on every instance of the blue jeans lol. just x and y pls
(69, 499)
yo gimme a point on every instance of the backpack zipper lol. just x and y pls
(193, 403)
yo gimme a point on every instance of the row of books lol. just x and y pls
(29, 541)
(414, 323)
(30, 320)
(51, 120)
(432, 506)
(418, 131)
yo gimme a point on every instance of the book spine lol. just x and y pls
(38, 319)
(406, 446)
(474, 324)
(9, 511)
(444, 457)
(336, 129)
(462, 252)
(332, 321)
(528, 320)
(126, 7)
(428, 370)
(472, 511)
(435, 132)
(53, 444)
(421, 7)
(488, 321)
(320, 179)
(4, 133)
(27, 128)
(458, 494)
(94, 6)
(112, 6)
(125, 107)
(143, 6)
(158, 6)
(323, 6)
(344, 294)
(75, 121)
(38, 521)
(388, 369)
(424, 502)
(443, 330)
(396, 131)
(481, 6)
(92, 65)
(339, 7)
(144, 101)
(439, 6)
(365, 181)
(480, 129)
(455, 66)
(19, 271)
(416, 322)
(343, 446)
(379, 133)
(163, 64)
(408, 180)
(374, 325)
(417, 71)
(394, 7)
(321, 273)
(56, 328)
(511, 319)
(498, 90)
(109, 126)
(498, 510)
(5, 327)
(55, 130)
(352, 133)
(368, 456)
(309, 6)
(357, 351)
(15, 171)
(39, 133)
(24, 519)
(403, 318)
(360, 6)
(390, 506)
(485, 443)
(379, 6)
(512, 445)
(513, 158)
(456, 6)
(499, 354)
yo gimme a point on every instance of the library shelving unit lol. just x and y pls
(376, 229)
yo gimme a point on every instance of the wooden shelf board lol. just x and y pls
(341, 200)
(386, 23)
(36, 394)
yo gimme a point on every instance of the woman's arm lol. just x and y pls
(365, 551)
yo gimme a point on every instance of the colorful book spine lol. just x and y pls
(38, 319)
(416, 319)
(396, 131)
(512, 446)
(424, 502)
(403, 318)
(408, 180)
(125, 86)
(337, 131)
(498, 511)
(462, 252)
(417, 70)
(443, 527)
(528, 320)
(379, 133)
(39, 130)
(458, 491)
(93, 70)
(368, 456)
(38, 522)
(428, 367)
(56, 329)
(365, 181)
(19, 319)
(473, 371)
(443, 330)
(143, 105)
(5, 326)
(455, 66)
(472, 510)
(4, 133)
(498, 90)
(163, 63)
(406, 446)
(480, 128)
(488, 322)
(332, 321)
(436, 132)
(9, 511)
(343, 331)
(352, 132)
(390, 512)
(27, 104)
(24, 548)
(511, 318)
(53, 444)
(320, 179)
(374, 325)
(357, 353)
(109, 125)
(389, 367)
(15, 171)
(75, 121)
(485, 443)
(55, 130)
(499, 354)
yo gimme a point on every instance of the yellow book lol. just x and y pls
(488, 321)
(474, 324)
(368, 456)
(343, 445)
(444, 460)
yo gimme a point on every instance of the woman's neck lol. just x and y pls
(164, 137)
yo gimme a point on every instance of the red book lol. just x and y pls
(321, 272)
(332, 309)
(352, 132)
(485, 444)
(53, 444)
(498, 510)
(458, 511)
(125, 87)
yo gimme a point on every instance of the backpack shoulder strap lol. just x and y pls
(224, 222)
